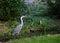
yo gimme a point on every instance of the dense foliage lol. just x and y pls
(54, 8)
(10, 9)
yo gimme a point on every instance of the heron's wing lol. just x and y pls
(17, 29)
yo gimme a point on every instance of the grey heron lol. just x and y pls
(19, 27)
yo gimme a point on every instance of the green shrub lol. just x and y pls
(10, 9)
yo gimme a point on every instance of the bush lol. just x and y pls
(10, 9)
(54, 8)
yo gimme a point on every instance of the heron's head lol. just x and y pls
(23, 17)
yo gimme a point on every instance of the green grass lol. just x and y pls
(37, 39)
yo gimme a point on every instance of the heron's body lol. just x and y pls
(18, 28)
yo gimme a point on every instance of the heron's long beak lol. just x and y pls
(27, 15)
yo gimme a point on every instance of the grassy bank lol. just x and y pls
(38, 39)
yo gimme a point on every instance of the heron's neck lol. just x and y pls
(21, 21)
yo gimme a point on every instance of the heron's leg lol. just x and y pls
(17, 35)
